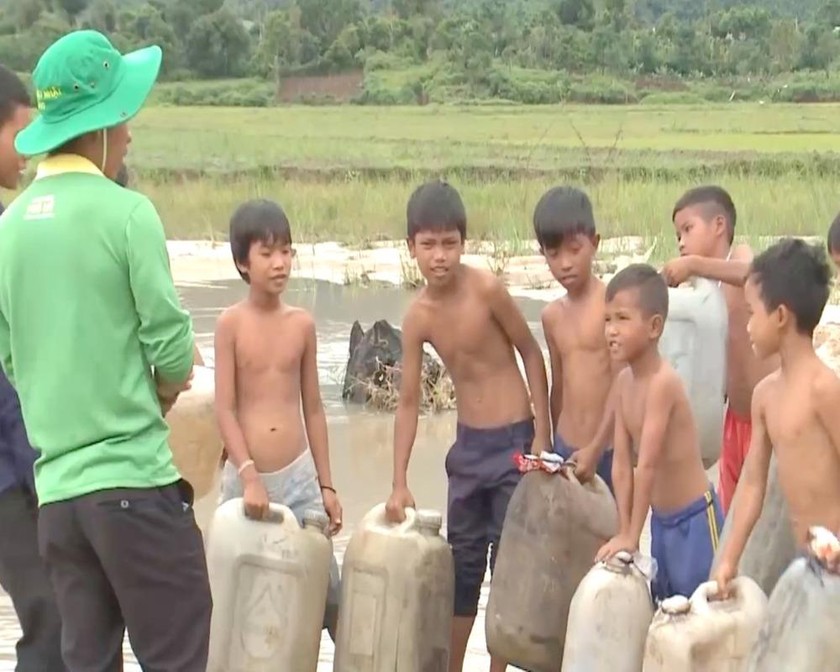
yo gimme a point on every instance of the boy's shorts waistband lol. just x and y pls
(524, 429)
(305, 456)
(744, 420)
(701, 504)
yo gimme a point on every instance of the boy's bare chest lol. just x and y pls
(267, 352)
(791, 420)
(461, 330)
(633, 404)
(580, 331)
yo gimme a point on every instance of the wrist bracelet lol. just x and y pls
(328, 487)
(244, 466)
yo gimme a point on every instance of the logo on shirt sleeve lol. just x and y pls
(41, 207)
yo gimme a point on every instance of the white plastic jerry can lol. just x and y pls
(694, 342)
(269, 581)
(397, 596)
(803, 616)
(609, 618)
(706, 635)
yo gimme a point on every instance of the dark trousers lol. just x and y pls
(24, 577)
(129, 558)
(482, 477)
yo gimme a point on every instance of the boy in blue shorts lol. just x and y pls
(582, 371)
(472, 322)
(655, 429)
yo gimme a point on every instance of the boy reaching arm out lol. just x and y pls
(704, 221)
(795, 408)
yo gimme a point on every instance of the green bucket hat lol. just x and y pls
(83, 84)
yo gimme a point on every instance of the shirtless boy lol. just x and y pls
(795, 409)
(582, 371)
(655, 428)
(704, 219)
(265, 370)
(469, 318)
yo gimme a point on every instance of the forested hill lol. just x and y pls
(648, 11)
(409, 51)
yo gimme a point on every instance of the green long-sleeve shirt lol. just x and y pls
(88, 309)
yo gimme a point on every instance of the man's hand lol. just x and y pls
(678, 270)
(620, 542)
(723, 576)
(333, 508)
(400, 499)
(255, 499)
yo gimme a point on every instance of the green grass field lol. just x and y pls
(345, 173)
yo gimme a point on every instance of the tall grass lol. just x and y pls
(345, 173)
(361, 211)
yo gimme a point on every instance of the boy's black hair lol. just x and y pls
(834, 236)
(652, 288)
(258, 220)
(562, 212)
(717, 201)
(13, 94)
(436, 206)
(796, 275)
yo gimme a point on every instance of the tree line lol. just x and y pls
(489, 45)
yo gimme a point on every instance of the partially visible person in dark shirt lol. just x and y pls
(22, 572)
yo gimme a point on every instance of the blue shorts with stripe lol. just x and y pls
(684, 544)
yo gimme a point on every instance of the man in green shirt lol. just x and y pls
(93, 337)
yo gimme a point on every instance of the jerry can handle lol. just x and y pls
(708, 594)
(276, 514)
(568, 471)
(379, 518)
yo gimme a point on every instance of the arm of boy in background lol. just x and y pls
(732, 271)
(405, 418)
(516, 328)
(622, 469)
(749, 496)
(555, 396)
(590, 456)
(254, 494)
(827, 395)
(165, 330)
(658, 407)
(316, 426)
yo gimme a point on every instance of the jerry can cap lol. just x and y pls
(316, 518)
(430, 519)
(676, 605)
